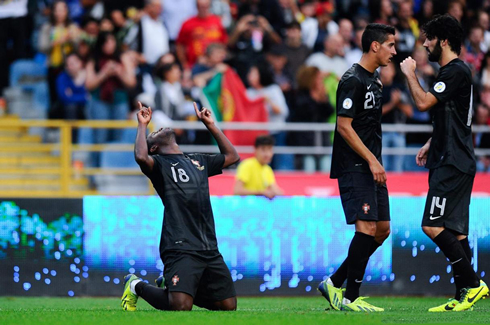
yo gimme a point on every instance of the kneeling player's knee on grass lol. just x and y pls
(181, 306)
(229, 304)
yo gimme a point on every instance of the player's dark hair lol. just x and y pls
(264, 141)
(375, 33)
(445, 27)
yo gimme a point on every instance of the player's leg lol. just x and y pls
(216, 290)
(157, 297)
(446, 215)
(359, 201)
(180, 301)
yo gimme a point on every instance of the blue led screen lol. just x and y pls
(279, 247)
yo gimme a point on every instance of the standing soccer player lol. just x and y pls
(357, 164)
(449, 155)
(195, 273)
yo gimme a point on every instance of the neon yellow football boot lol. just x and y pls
(129, 299)
(361, 305)
(448, 306)
(331, 293)
(469, 296)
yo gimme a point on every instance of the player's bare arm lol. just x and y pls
(144, 160)
(421, 157)
(344, 127)
(225, 146)
(424, 100)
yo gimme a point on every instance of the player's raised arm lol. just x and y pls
(141, 156)
(225, 146)
(424, 100)
(345, 129)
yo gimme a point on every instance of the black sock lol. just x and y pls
(157, 297)
(339, 277)
(457, 279)
(359, 252)
(452, 248)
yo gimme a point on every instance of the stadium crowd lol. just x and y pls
(104, 56)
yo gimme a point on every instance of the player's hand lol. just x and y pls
(379, 173)
(144, 114)
(204, 115)
(421, 157)
(408, 66)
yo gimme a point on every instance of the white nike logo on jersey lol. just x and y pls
(434, 218)
(358, 281)
(369, 86)
(174, 164)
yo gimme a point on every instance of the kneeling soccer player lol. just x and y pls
(195, 272)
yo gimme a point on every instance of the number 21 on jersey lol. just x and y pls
(369, 102)
(182, 175)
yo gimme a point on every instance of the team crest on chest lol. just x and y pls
(366, 208)
(197, 164)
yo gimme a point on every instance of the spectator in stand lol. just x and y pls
(290, 11)
(170, 99)
(330, 61)
(254, 175)
(109, 75)
(346, 29)
(382, 12)
(269, 9)
(221, 8)
(261, 84)
(277, 59)
(354, 54)
(212, 64)
(396, 109)
(484, 81)
(57, 39)
(316, 30)
(197, 33)
(251, 37)
(124, 30)
(312, 105)
(473, 56)
(407, 30)
(456, 9)
(484, 22)
(296, 52)
(426, 12)
(70, 88)
(13, 33)
(154, 40)
(176, 13)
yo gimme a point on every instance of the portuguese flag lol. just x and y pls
(225, 95)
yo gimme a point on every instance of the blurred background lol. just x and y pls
(72, 72)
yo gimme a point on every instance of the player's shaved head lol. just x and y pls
(375, 33)
(445, 27)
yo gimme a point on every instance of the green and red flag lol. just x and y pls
(226, 96)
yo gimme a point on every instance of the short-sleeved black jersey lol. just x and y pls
(359, 96)
(181, 181)
(452, 142)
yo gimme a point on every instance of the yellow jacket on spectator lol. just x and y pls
(256, 177)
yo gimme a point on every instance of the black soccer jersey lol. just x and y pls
(359, 96)
(181, 181)
(452, 142)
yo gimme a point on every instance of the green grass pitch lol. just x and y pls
(262, 311)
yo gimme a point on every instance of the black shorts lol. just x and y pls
(363, 199)
(203, 275)
(448, 200)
